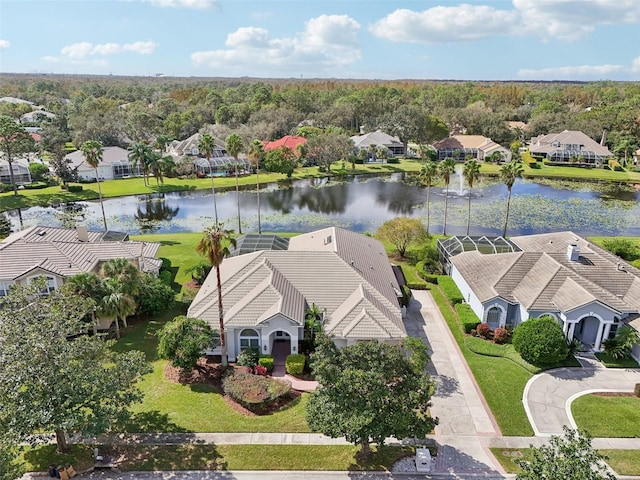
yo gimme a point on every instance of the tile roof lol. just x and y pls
(110, 156)
(378, 138)
(258, 285)
(543, 277)
(288, 141)
(545, 143)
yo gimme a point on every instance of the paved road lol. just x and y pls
(547, 396)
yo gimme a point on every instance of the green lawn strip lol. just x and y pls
(622, 418)
(623, 462)
(220, 457)
(570, 173)
(501, 380)
(612, 362)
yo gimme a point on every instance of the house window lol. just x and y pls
(493, 315)
(50, 284)
(249, 338)
(614, 328)
(215, 341)
(4, 288)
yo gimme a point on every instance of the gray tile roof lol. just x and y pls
(110, 156)
(542, 277)
(545, 143)
(378, 138)
(59, 251)
(258, 285)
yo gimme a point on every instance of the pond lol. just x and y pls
(362, 203)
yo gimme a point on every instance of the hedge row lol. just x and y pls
(294, 364)
(468, 318)
(267, 362)
(450, 289)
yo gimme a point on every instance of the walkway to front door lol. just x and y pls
(280, 350)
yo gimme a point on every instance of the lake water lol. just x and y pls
(362, 203)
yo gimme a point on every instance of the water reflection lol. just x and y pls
(363, 203)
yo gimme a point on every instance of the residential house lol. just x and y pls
(37, 116)
(378, 139)
(289, 141)
(21, 173)
(60, 253)
(220, 162)
(266, 293)
(589, 291)
(115, 164)
(569, 146)
(477, 147)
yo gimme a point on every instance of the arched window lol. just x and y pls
(493, 315)
(249, 338)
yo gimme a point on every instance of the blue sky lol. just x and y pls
(368, 39)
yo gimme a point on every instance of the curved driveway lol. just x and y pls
(547, 396)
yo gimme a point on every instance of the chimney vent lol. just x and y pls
(83, 233)
(573, 252)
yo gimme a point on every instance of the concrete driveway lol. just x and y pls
(547, 396)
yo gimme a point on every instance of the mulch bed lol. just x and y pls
(210, 372)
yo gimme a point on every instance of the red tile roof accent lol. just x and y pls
(288, 141)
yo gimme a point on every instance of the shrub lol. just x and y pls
(620, 346)
(183, 340)
(418, 286)
(154, 296)
(267, 362)
(36, 185)
(500, 335)
(636, 390)
(483, 330)
(473, 332)
(254, 392)
(74, 188)
(393, 160)
(294, 364)
(450, 289)
(468, 318)
(166, 264)
(259, 370)
(540, 341)
(248, 357)
(615, 165)
(166, 277)
(406, 295)
(529, 160)
(623, 248)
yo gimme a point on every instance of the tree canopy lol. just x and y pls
(370, 391)
(53, 377)
(540, 341)
(183, 340)
(402, 232)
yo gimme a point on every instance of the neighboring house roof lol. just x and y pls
(15, 100)
(36, 116)
(465, 142)
(110, 156)
(189, 146)
(60, 251)
(514, 124)
(346, 273)
(377, 138)
(544, 144)
(543, 277)
(288, 141)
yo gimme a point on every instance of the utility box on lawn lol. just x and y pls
(423, 460)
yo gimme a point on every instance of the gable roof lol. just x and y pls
(545, 143)
(378, 138)
(110, 156)
(543, 277)
(258, 285)
(288, 141)
(59, 251)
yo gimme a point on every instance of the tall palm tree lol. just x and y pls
(92, 152)
(126, 275)
(428, 175)
(445, 168)
(471, 173)
(214, 244)
(88, 285)
(117, 303)
(207, 145)
(140, 156)
(234, 147)
(256, 155)
(157, 163)
(509, 172)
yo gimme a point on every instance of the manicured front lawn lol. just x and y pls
(612, 362)
(222, 457)
(623, 462)
(608, 416)
(171, 407)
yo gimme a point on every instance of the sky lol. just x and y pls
(360, 39)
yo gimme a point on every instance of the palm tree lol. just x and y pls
(509, 172)
(126, 275)
(471, 173)
(140, 156)
(428, 175)
(207, 145)
(157, 164)
(313, 318)
(445, 168)
(92, 152)
(256, 155)
(88, 285)
(234, 147)
(214, 244)
(117, 303)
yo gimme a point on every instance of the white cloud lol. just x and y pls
(4, 44)
(82, 50)
(194, 4)
(635, 65)
(560, 19)
(571, 72)
(328, 41)
(444, 24)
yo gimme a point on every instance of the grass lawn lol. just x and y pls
(624, 462)
(570, 173)
(171, 407)
(222, 457)
(612, 362)
(621, 420)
